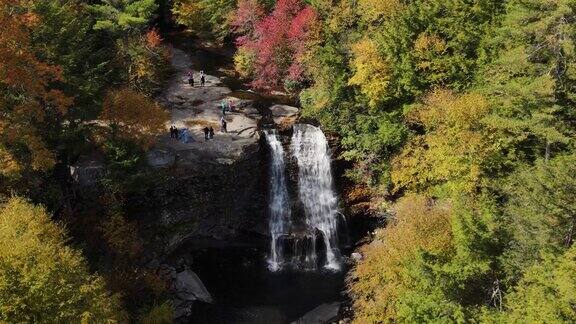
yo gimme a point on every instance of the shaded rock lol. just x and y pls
(160, 158)
(88, 170)
(166, 272)
(321, 314)
(281, 111)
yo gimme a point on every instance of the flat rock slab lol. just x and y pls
(196, 107)
(284, 116)
(159, 158)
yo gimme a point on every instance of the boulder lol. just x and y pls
(356, 256)
(284, 116)
(189, 287)
(283, 111)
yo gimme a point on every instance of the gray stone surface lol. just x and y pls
(186, 289)
(321, 314)
(189, 287)
(284, 111)
(196, 107)
(356, 256)
(160, 158)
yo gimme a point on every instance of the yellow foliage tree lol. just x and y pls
(189, 13)
(144, 60)
(244, 62)
(41, 278)
(453, 148)
(159, 314)
(378, 281)
(372, 72)
(133, 116)
(122, 236)
(428, 48)
(372, 10)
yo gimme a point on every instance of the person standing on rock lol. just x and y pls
(224, 124)
(202, 78)
(223, 107)
(206, 132)
(191, 78)
(211, 132)
(173, 132)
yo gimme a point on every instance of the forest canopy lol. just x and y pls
(456, 118)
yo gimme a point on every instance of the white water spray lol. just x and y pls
(280, 211)
(316, 189)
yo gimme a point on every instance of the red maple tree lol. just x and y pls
(277, 40)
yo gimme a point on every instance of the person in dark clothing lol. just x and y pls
(202, 78)
(172, 131)
(211, 132)
(206, 132)
(224, 124)
(191, 78)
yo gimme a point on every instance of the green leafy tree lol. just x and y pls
(65, 38)
(380, 281)
(546, 292)
(41, 278)
(205, 15)
(444, 275)
(541, 212)
(159, 314)
(532, 79)
(123, 16)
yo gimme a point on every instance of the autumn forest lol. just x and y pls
(452, 125)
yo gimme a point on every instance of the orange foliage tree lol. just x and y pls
(133, 116)
(29, 106)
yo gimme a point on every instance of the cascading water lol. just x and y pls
(280, 211)
(315, 188)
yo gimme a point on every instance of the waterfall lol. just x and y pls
(315, 188)
(280, 211)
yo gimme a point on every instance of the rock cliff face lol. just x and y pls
(211, 191)
(209, 202)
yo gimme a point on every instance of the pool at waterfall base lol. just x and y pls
(245, 291)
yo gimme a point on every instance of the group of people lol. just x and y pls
(225, 105)
(191, 78)
(208, 133)
(181, 135)
(174, 132)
